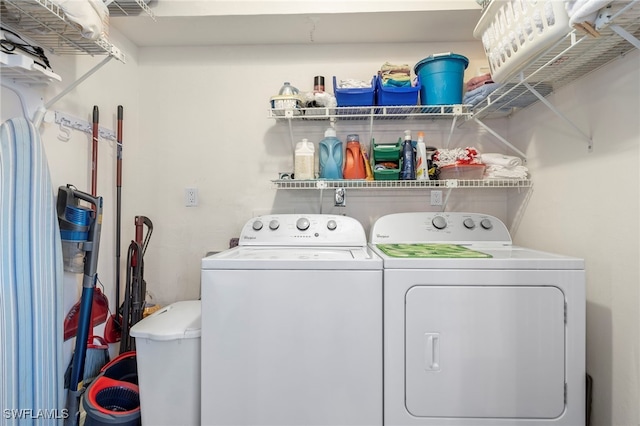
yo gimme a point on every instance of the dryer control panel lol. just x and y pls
(440, 227)
(303, 230)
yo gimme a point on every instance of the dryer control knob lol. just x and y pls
(332, 225)
(486, 224)
(274, 224)
(439, 222)
(469, 223)
(257, 225)
(302, 224)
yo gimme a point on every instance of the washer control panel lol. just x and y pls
(427, 227)
(303, 230)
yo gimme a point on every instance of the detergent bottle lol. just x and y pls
(330, 151)
(422, 168)
(304, 160)
(408, 170)
(354, 161)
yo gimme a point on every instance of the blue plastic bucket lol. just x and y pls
(442, 77)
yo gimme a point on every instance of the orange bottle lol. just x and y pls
(353, 159)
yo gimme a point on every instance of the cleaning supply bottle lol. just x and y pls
(330, 152)
(304, 160)
(422, 170)
(408, 171)
(354, 161)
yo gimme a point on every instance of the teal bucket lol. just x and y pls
(442, 77)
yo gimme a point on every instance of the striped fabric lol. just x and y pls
(31, 316)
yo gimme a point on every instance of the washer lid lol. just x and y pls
(332, 258)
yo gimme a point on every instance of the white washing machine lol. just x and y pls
(478, 332)
(292, 325)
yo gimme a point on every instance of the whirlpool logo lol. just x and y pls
(381, 236)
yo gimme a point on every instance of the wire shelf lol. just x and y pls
(574, 56)
(400, 184)
(44, 22)
(129, 8)
(22, 69)
(401, 112)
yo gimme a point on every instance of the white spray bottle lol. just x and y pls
(422, 170)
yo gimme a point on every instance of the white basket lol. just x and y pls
(514, 31)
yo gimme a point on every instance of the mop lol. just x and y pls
(97, 355)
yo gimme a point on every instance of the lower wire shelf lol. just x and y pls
(400, 184)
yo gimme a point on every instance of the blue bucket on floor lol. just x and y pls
(442, 77)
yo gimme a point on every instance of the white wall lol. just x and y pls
(586, 204)
(205, 115)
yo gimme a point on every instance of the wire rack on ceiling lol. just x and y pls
(129, 8)
(576, 55)
(44, 22)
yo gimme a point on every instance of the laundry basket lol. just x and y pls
(513, 32)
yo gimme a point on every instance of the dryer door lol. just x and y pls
(485, 351)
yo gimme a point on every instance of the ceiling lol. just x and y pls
(319, 28)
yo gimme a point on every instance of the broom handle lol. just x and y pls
(118, 204)
(94, 152)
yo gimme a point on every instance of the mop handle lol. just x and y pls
(94, 152)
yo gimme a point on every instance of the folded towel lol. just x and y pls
(392, 68)
(500, 172)
(476, 96)
(351, 83)
(584, 10)
(393, 82)
(478, 81)
(446, 157)
(506, 161)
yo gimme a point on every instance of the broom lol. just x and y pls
(96, 357)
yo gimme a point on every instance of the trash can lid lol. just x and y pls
(180, 320)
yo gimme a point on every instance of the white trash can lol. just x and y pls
(168, 358)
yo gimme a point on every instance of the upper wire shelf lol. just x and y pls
(402, 112)
(44, 22)
(574, 56)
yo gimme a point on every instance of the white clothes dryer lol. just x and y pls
(292, 325)
(478, 332)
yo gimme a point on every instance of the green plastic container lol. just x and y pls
(386, 152)
(387, 174)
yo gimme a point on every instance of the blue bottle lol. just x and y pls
(408, 171)
(330, 156)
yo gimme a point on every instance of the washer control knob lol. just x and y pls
(332, 225)
(302, 224)
(257, 225)
(439, 222)
(469, 223)
(486, 224)
(274, 224)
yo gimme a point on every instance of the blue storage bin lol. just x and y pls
(389, 95)
(364, 96)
